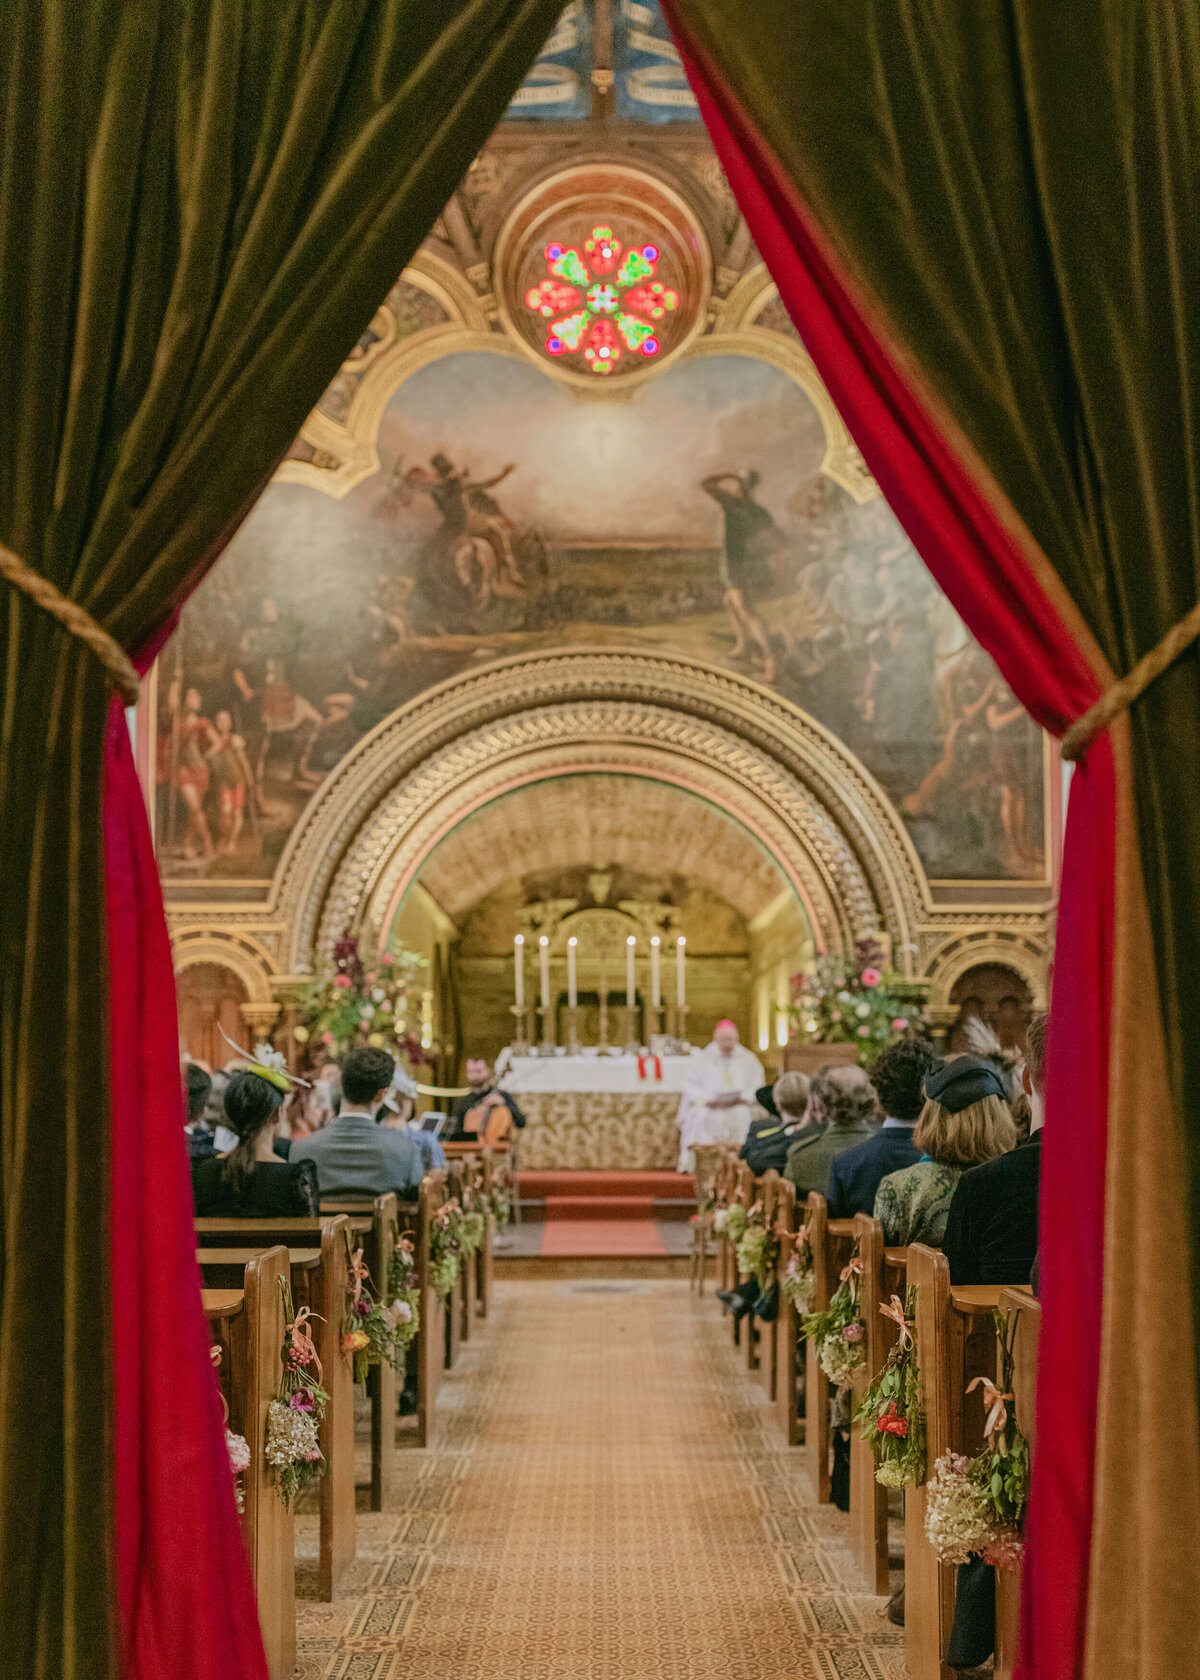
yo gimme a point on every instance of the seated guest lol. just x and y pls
(250, 1181)
(846, 1099)
(397, 1112)
(197, 1087)
(897, 1077)
(486, 1114)
(964, 1122)
(768, 1140)
(353, 1156)
(992, 1231)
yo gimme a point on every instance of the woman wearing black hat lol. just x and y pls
(965, 1122)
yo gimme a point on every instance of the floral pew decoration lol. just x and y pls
(236, 1445)
(891, 1415)
(404, 1298)
(501, 1197)
(294, 1415)
(799, 1281)
(373, 1330)
(733, 1226)
(976, 1506)
(839, 1332)
(445, 1247)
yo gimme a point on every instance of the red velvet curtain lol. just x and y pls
(1020, 613)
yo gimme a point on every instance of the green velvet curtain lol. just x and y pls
(1017, 186)
(201, 204)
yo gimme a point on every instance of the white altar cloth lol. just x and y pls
(615, 1074)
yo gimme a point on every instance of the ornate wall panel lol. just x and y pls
(791, 784)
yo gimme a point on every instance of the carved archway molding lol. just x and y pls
(712, 732)
(717, 735)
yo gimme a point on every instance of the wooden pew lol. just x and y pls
(322, 1285)
(708, 1157)
(956, 1341)
(1026, 1310)
(485, 1277)
(765, 1334)
(787, 1329)
(248, 1325)
(883, 1275)
(831, 1241)
(431, 1340)
(727, 1185)
(381, 1379)
(745, 1189)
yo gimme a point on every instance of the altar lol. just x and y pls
(599, 1112)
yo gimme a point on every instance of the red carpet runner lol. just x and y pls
(595, 1215)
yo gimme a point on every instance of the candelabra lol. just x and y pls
(521, 1024)
(546, 1047)
(678, 1022)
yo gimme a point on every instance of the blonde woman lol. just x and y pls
(965, 1122)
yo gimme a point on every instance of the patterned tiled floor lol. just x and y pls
(607, 1499)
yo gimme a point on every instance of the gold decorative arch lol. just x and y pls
(839, 842)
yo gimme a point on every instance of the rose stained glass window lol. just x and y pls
(601, 302)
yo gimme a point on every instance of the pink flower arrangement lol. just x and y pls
(871, 977)
(899, 1025)
(864, 1031)
(388, 959)
(852, 1333)
(890, 1424)
(342, 982)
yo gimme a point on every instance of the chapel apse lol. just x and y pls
(510, 514)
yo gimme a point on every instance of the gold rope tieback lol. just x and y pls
(1129, 688)
(74, 618)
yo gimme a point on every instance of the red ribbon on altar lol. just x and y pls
(642, 1061)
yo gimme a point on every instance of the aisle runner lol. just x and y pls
(608, 1501)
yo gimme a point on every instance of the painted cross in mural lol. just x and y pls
(601, 301)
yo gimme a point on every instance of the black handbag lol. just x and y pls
(973, 1636)
(767, 1305)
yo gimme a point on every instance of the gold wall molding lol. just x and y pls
(766, 764)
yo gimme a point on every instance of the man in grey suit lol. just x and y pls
(354, 1156)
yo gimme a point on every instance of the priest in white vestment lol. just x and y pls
(717, 1099)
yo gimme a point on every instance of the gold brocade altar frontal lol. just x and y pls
(601, 1131)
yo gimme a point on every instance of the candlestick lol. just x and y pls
(655, 972)
(519, 969)
(630, 979)
(572, 990)
(680, 985)
(544, 960)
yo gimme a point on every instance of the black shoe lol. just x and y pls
(407, 1402)
(741, 1299)
(895, 1607)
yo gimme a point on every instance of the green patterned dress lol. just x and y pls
(913, 1205)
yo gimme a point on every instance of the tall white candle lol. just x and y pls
(655, 972)
(680, 986)
(630, 977)
(519, 969)
(572, 990)
(544, 958)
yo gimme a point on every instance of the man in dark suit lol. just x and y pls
(768, 1140)
(992, 1228)
(898, 1076)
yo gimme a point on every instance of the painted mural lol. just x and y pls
(512, 514)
